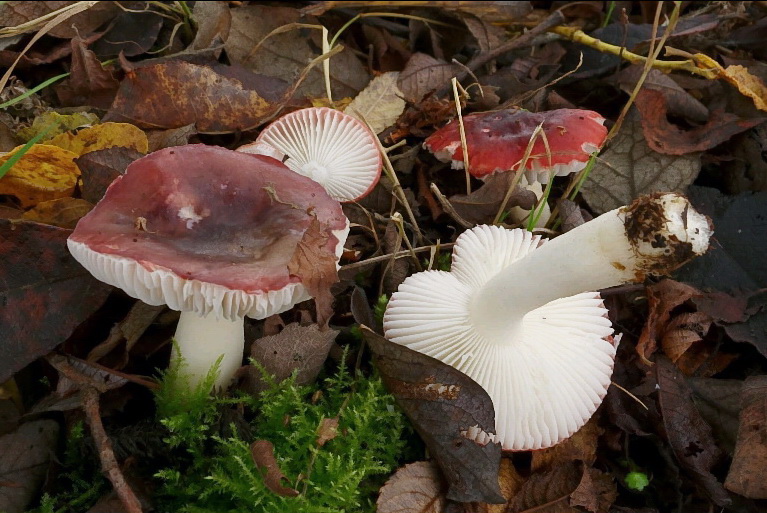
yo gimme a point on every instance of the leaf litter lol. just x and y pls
(689, 412)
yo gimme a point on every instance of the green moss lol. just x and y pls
(216, 473)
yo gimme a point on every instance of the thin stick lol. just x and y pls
(449, 208)
(384, 258)
(462, 131)
(630, 395)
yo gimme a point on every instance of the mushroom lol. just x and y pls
(209, 232)
(496, 142)
(517, 316)
(330, 147)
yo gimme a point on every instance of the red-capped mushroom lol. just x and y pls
(496, 142)
(209, 232)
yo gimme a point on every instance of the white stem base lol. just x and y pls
(519, 215)
(201, 341)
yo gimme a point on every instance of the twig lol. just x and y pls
(384, 258)
(448, 207)
(109, 464)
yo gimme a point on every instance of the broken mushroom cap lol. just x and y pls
(497, 141)
(522, 322)
(209, 232)
(330, 147)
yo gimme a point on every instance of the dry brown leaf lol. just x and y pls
(214, 20)
(380, 103)
(482, 204)
(327, 431)
(414, 488)
(89, 83)
(299, 349)
(82, 24)
(263, 456)
(680, 102)
(582, 446)
(24, 457)
(159, 139)
(662, 298)
(683, 331)
(510, 482)
(548, 492)
(102, 136)
(176, 93)
(739, 76)
(62, 212)
(746, 476)
(44, 173)
(317, 269)
(285, 55)
(629, 169)
(424, 74)
(100, 168)
(596, 492)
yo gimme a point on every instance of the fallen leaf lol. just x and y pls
(510, 482)
(629, 169)
(159, 139)
(481, 206)
(214, 20)
(682, 332)
(596, 492)
(43, 173)
(414, 488)
(317, 269)
(299, 349)
(285, 55)
(679, 102)
(688, 434)
(24, 458)
(327, 431)
(662, 298)
(45, 293)
(380, 103)
(102, 136)
(450, 411)
(263, 456)
(718, 401)
(89, 83)
(176, 93)
(667, 138)
(739, 76)
(132, 33)
(62, 212)
(99, 169)
(746, 476)
(572, 215)
(549, 491)
(424, 74)
(582, 446)
(488, 36)
(130, 329)
(735, 263)
(82, 24)
(56, 124)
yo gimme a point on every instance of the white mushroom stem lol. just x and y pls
(201, 341)
(654, 235)
(519, 214)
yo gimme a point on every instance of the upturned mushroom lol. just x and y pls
(517, 316)
(209, 232)
(496, 142)
(332, 148)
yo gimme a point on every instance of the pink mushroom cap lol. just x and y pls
(206, 229)
(497, 142)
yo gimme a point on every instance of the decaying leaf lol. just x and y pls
(24, 458)
(548, 491)
(159, 139)
(132, 33)
(679, 102)
(481, 206)
(15, 13)
(739, 76)
(176, 93)
(596, 492)
(380, 103)
(285, 55)
(214, 19)
(414, 488)
(45, 293)
(746, 476)
(102, 136)
(54, 124)
(327, 431)
(424, 74)
(682, 332)
(510, 482)
(582, 446)
(44, 173)
(300, 349)
(316, 268)
(100, 168)
(718, 401)
(662, 297)
(62, 212)
(446, 408)
(89, 82)
(263, 456)
(629, 169)
(688, 434)
(667, 138)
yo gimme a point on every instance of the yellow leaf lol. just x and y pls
(62, 212)
(739, 76)
(44, 173)
(63, 123)
(380, 103)
(101, 137)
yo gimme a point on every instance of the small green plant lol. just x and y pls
(215, 472)
(636, 481)
(380, 308)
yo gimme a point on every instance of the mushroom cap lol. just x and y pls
(208, 230)
(546, 378)
(497, 142)
(330, 147)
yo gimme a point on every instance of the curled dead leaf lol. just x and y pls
(263, 456)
